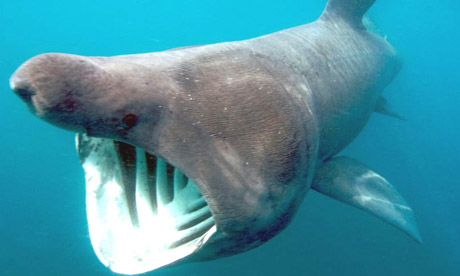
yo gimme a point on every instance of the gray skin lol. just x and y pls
(248, 121)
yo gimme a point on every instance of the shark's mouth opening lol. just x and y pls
(143, 213)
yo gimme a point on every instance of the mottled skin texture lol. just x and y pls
(249, 121)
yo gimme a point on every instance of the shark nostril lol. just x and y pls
(24, 93)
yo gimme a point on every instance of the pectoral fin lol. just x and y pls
(384, 108)
(351, 182)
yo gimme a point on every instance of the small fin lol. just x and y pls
(350, 10)
(351, 182)
(384, 108)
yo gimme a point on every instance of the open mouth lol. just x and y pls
(143, 213)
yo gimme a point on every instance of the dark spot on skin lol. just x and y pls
(67, 105)
(129, 121)
(89, 131)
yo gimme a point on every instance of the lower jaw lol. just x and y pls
(143, 213)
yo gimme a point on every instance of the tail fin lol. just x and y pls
(351, 11)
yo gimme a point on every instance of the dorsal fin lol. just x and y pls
(351, 11)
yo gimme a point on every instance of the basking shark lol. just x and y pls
(204, 152)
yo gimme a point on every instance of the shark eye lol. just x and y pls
(129, 121)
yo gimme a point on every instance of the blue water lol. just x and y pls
(43, 227)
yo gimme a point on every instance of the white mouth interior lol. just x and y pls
(142, 212)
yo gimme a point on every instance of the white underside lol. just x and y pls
(161, 233)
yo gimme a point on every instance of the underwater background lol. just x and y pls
(43, 228)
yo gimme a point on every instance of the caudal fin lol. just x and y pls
(351, 11)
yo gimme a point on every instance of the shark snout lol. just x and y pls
(47, 83)
(22, 87)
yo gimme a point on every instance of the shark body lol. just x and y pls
(204, 152)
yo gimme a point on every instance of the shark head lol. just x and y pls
(184, 160)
